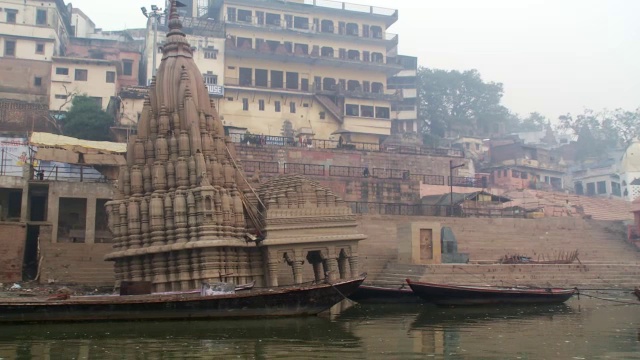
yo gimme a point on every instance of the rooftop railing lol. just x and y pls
(340, 5)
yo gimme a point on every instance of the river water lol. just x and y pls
(584, 328)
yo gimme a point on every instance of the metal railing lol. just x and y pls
(264, 167)
(391, 173)
(346, 171)
(253, 139)
(72, 173)
(398, 209)
(428, 179)
(304, 169)
(479, 182)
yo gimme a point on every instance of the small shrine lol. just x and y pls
(184, 212)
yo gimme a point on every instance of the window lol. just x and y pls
(352, 110)
(591, 188)
(602, 187)
(127, 67)
(61, 96)
(301, 22)
(246, 77)
(41, 17)
(62, 71)
(277, 79)
(323, 115)
(304, 84)
(37, 81)
(39, 48)
(210, 54)
(382, 112)
(210, 79)
(277, 105)
(262, 77)
(11, 16)
(245, 15)
(231, 14)
(9, 48)
(111, 77)
(292, 107)
(366, 111)
(81, 75)
(245, 104)
(261, 105)
(292, 80)
(273, 19)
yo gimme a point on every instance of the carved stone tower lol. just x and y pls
(183, 210)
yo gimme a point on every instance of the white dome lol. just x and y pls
(631, 158)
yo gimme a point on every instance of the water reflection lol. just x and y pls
(250, 339)
(582, 329)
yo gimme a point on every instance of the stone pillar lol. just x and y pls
(317, 271)
(353, 266)
(272, 268)
(90, 230)
(330, 265)
(342, 267)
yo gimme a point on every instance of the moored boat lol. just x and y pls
(637, 292)
(440, 294)
(369, 294)
(299, 300)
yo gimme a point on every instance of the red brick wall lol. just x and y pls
(12, 238)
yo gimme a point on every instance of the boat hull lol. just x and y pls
(274, 302)
(467, 295)
(367, 294)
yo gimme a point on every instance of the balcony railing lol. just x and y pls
(339, 5)
(398, 209)
(269, 140)
(477, 182)
(264, 167)
(304, 169)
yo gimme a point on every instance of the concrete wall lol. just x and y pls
(90, 191)
(12, 238)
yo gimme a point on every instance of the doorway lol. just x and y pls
(31, 261)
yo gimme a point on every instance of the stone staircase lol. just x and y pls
(331, 107)
(606, 259)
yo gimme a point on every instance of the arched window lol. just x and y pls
(326, 51)
(377, 87)
(353, 85)
(326, 26)
(377, 57)
(352, 29)
(353, 55)
(328, 84)
(376, 32)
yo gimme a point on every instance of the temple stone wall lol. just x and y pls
(482, 239)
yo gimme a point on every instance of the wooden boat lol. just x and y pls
(477, 295)
(637, 292)
(369, 294)
(299, 300)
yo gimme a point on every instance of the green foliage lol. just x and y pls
(454, 100)
(534, 122)
(611, 128)
(86, 120)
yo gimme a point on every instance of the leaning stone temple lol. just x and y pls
(184, 212)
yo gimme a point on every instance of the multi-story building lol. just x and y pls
(31, 34)
(306, 67)
(405, 111)
(80, 76)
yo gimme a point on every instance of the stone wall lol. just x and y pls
(12, 238)
(415, 164)
(68, 263)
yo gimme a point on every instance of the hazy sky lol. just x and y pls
(553, 56)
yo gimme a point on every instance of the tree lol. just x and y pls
(86, 120)
(454, 101)
(534, 122)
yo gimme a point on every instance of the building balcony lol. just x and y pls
(310, 89)
(389, 67)
(330, 33)
(329, 7)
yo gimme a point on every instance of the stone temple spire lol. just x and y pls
(178, 213)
